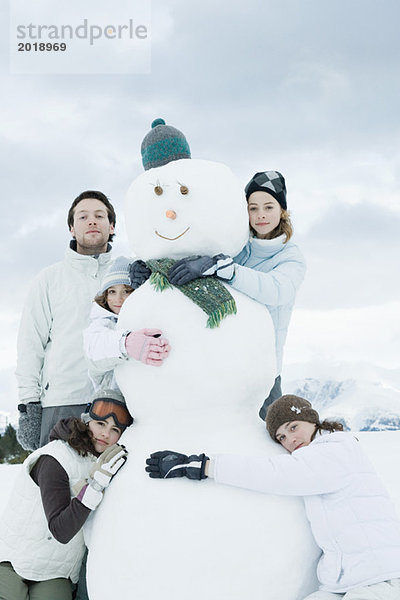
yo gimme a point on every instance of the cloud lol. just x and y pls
(352, 253)
(369, 334)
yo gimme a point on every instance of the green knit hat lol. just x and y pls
(162, 145)
(289, 408)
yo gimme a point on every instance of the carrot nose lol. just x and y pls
(170, 214)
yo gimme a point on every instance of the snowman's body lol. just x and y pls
(179, 539)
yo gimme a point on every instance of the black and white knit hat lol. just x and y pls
(289, 408)
(271, 182)
(162, 145)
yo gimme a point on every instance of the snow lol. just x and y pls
(205, 397)
(213, 213)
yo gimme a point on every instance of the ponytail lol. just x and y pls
(330, 426)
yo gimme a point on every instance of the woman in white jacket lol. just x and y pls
(105, 344)
(60, 484)
(351, 515)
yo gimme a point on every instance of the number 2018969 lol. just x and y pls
(41, 47)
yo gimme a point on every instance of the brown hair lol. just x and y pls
(330, 426)
(96, 196)
(101, 299)
(80, 438)
(284, 227)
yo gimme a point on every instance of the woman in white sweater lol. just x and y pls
(351, 515)
(105, 344)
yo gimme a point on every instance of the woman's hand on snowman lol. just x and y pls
(193, 267)
(103, 470)
(138, 273)
(147, 346)
(168, 464)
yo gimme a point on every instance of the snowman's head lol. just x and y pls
(186, 207)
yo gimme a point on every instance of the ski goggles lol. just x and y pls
(102, 408)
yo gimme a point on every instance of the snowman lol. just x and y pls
(176, 539)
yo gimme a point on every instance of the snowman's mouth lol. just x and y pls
(164, 237)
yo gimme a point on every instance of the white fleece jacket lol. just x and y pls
(50, 362)
(351, 515)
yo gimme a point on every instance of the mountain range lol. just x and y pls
(360, 405)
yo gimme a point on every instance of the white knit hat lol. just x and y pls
(117, 273)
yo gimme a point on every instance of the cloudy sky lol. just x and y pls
(307, 87)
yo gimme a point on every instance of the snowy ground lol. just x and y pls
(383, 449)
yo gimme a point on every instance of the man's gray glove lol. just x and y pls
(29, 425)
(168, 464)
(192, 267)
(138, 273)
(101, 473)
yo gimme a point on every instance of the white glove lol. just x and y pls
(103, 470)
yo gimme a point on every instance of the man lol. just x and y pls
(51, 369)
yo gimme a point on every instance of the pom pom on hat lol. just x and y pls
(289, 408)
(162, 145)
(157, 122)
(271, 182)
(117, 273)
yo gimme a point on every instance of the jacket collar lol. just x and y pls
(266, 248)
(98, 312)
(87, 261)
(72, 245)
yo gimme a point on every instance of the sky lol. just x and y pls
(309, 88)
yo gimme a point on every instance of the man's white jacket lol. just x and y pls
(51, 366)
(350, 513)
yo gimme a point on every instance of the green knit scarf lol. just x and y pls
(207, 292)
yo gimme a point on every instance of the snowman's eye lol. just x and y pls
(158, 190)
(184, 190)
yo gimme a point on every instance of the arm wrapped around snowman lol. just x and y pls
(193, 267)
(168, 464)
(106, 345)
(138, 273)
(147, 346)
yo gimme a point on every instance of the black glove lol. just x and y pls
(192, 267)
(138, 273)
(29, 425)
(167, 464)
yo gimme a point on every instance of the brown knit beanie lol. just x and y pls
(289, 408)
